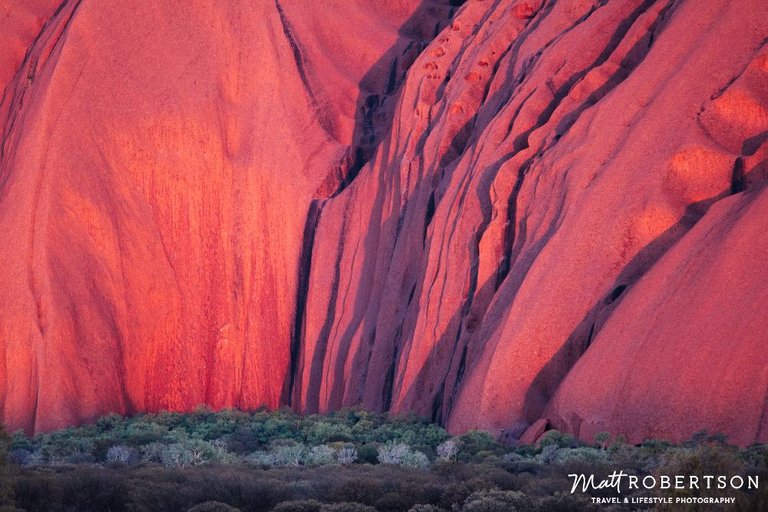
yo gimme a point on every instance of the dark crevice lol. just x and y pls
(375, 115)
(515, 115)
(15, 90)
(389, 379)
(494, 71)
(349, 167)
(509, 228)
(305, 264)
(530, 29)
(458, 144)
(722, 89)
(615, 294)
(456, 343)
(737, 177)
(412, 293)
(628, 63)
(437, 404)
(317, 372)
(401, 220)
(457, 382)
(428, 216)
(590, 336)
(742, 178)
(521, 141)
(665, 19)
(392, 79)
(297, 55)
(365, 367)
(631, 60)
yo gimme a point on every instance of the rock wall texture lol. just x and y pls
(497, 214)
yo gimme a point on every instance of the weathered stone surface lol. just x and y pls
(479, 254)
(486, 214)
(158, 166)
(534, 432)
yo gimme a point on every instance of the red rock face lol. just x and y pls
(158, 167)
(496, 215)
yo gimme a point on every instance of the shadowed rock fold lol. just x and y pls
(495, 215)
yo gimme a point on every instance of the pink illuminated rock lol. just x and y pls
(485, 215)
(158, 166)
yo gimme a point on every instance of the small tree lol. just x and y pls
(402, 455)
(447, 450)
(346, 455)
(176, 456)
(289, 455)
(121, 454)
(261, 458)
(321, 455)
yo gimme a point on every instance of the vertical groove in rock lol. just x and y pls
(305, 264)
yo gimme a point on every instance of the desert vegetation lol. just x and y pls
(349, 461)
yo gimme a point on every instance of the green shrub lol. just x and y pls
(755, 455)
(369, 453)
(559, 439)
(321, 432)
(705, 459)
(476, 445)
(109, 422)
(256, 461)
(551, 454)
(5, 485)
(20, 441)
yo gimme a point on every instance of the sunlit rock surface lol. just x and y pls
(494, 215)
